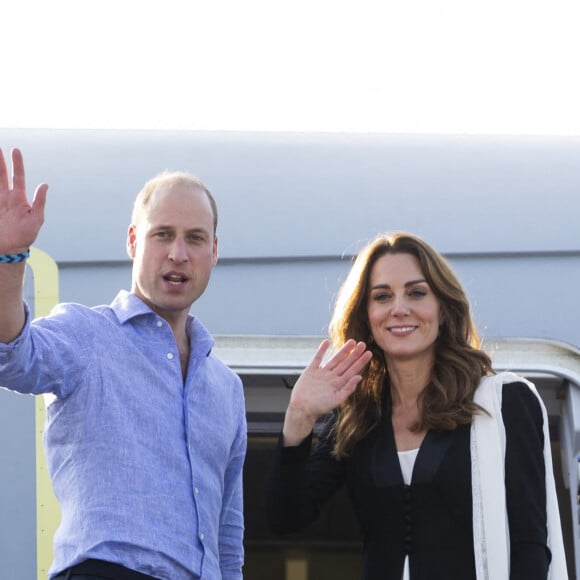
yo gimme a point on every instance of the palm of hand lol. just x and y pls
(322, 388)
(20, 221)
(319, 389)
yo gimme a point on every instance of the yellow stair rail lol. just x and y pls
(45, 274)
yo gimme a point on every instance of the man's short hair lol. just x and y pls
(170, 179)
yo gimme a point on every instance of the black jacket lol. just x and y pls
(431, 519)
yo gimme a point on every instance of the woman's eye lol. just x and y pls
(381, 297)
(417, 293)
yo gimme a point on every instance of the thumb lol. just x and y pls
(39, 200)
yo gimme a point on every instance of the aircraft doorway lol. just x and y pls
(329, 549)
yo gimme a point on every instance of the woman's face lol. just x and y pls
(404, 314)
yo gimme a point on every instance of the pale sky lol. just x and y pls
(395, 66)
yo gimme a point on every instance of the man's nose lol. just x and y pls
(178, 251)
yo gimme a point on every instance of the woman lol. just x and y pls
(444, 461)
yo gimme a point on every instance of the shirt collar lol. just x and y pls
(127, 306)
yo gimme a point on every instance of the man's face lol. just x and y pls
(173, 248)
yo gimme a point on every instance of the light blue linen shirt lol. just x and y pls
(147, 468)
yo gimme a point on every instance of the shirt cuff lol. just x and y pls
(6, 348)
(294, 454)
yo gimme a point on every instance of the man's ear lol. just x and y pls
(131, 241)
(215, 251)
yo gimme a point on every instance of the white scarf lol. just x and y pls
(490, 524)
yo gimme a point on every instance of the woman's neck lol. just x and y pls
(408, 380)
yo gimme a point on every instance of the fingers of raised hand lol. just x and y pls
(20, 221)
(18, 180)
(319, 354)
(4, 184)
(18, 175)
(350, 359)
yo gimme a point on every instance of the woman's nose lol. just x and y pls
(401, 307)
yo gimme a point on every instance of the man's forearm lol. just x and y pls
(12, 317)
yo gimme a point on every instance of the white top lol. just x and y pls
(407, 461)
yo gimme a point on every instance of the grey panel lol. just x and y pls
(17, 487)
(511, 295)
(284, 194)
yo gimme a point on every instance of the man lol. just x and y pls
(146, 435)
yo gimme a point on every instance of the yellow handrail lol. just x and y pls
(45, 274)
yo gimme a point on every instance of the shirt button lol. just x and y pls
(159, 324)
(196, 490)
(201, 536)
(170, 355)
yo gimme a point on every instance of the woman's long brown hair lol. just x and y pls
(447, 401)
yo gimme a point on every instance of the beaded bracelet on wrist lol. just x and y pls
(14, 258)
